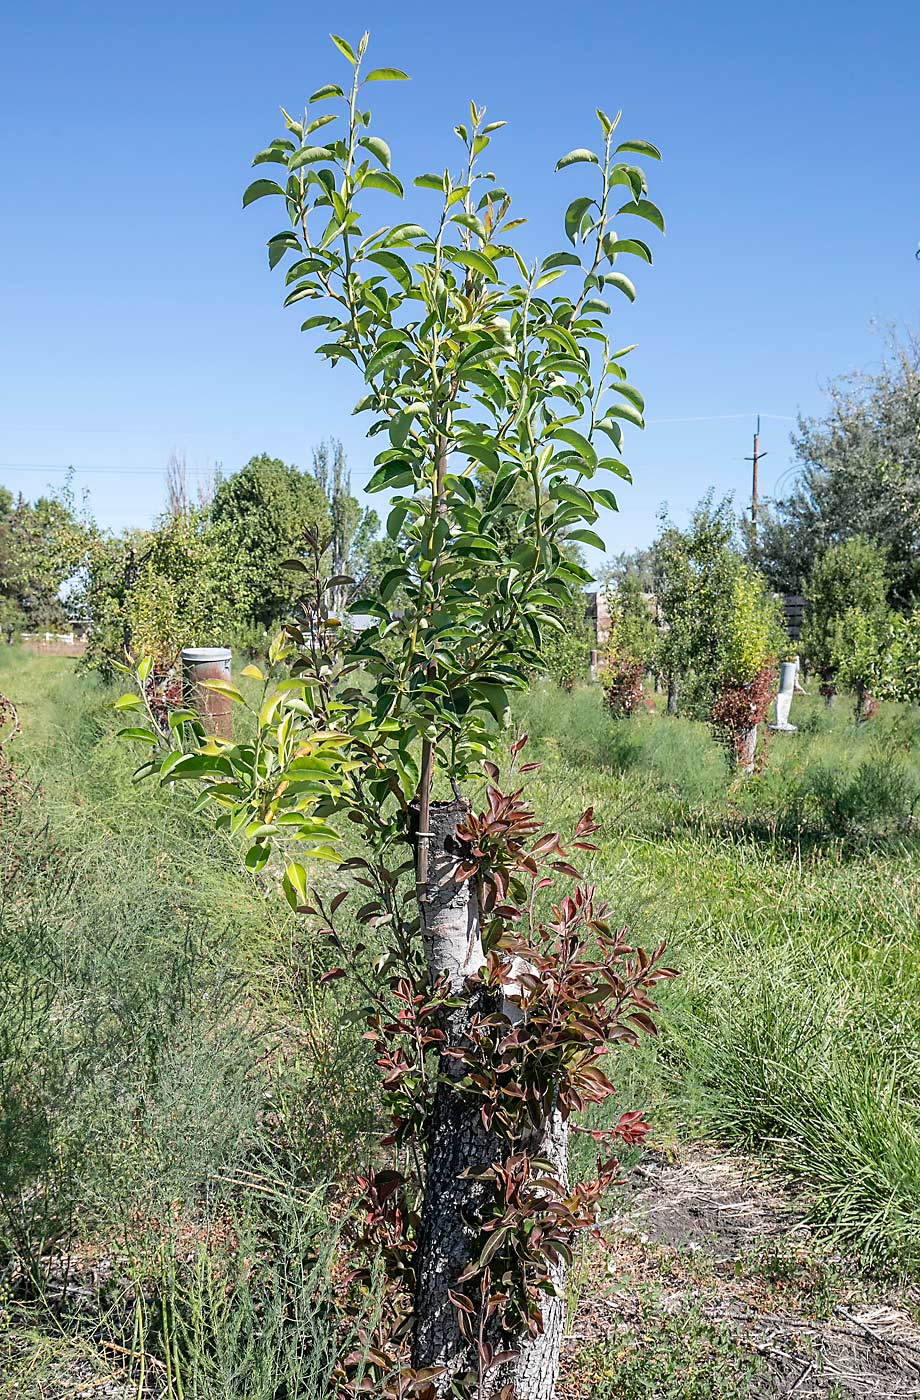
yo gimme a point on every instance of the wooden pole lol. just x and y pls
(756, 459)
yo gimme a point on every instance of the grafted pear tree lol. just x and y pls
(721, 628)
(489, 381)
(849, 576)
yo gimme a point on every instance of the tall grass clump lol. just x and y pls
(248, 1305)
(678, 759)
(178, 1106)
(834, 780)
(791, 906)
(790, 1059)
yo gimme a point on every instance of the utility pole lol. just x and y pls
(756, 459)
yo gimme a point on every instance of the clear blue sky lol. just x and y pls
(138, 314)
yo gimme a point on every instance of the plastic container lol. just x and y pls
(208, 664)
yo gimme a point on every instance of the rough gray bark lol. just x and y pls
(535, 1370)
(458, 1143)
(672, 695)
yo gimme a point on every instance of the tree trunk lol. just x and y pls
(865, 705)
(746, 750)
(458, 1144)
(672, 695)
(533, 1373)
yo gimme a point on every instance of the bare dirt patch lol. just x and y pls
(716, 1286)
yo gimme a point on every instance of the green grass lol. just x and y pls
(176, 1100)
(791, 905)
(672, 1356)
(178, 1111)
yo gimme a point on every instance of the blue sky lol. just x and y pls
(138, 314)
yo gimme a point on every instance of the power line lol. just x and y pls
(724, 418)
(245, 432)
(122, 471)
(74, 467)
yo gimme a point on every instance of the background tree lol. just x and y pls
(637, 564)
(859, 476)
(565, 649)
(179, 592)
(720, 628)
(42, 550)
(178, 497)
(353, 531)
(262, 515)
(865, 652)
(743, 677)
(468, 363)
(110, 573)
(906, 655)
(633, 644)
(632, 620)
(215, 573)
(153, 592)
(692, 576)
(12, 618)
(846, 576)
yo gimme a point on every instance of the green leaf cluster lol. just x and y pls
(488, 382)
(719, 622)
(43, 547)
(851, 575)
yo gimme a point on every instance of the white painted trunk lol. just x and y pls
(458, 1142)
(747, 749)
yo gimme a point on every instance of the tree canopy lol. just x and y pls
(846, 577)
(720, 622)
(859, 476)
(43, 546)
(261, 515)
(209, 573)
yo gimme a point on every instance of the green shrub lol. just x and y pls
(834, 782)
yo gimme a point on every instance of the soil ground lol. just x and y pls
(716, 1286)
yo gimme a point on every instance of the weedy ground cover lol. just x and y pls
(183, 1114)
(791, 902)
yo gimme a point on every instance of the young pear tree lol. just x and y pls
(851, 574)
(490, 382)
(721, 629)
(907, 655)
(631, 646)
(867, 651)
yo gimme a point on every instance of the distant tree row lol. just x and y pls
(213, 572)
(709, 628)
(694, 611)
(847, 536)
(851, 637)
(859, 475)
